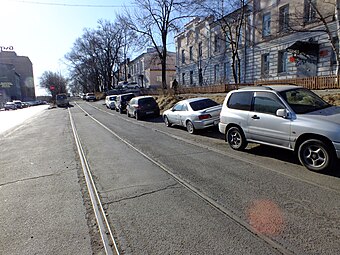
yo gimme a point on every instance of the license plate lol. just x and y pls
(149, 112)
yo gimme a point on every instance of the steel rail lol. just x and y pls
(199, 194)
(98, 209)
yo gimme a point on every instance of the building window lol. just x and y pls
(216, 43)
(266, 24)
(216, 73)
(282, 62)
(284, 18)
(183, 56)
(183, 78)
(310, 13)
(265, 65)
(226, 72)
(333, 57)
(200, 53)
(190, 54)
(191, 77)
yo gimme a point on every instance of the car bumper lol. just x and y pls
(201, 124)
(337, 149)
(148, 112)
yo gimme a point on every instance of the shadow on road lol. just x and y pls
(286, 156)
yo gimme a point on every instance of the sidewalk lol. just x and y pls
(41, 209)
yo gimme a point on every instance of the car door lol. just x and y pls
(175, 113)
(264, 125)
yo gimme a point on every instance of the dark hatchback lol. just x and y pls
(142, 106)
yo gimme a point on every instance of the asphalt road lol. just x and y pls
(164, 191)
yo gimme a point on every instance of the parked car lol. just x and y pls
(122, 100)
(142, 106)
(90, 97)
(10, 106)
(288, 117)
(25, 104)
(194, 113)
(18, 103)
(110, 101)
(131, 85)
(62, 100)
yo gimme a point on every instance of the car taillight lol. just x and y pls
(205, 116)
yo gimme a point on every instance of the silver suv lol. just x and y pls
(289, 117)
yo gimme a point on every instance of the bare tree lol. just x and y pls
(95, 57)
(231, 18)
(53, 82)
(155, 20)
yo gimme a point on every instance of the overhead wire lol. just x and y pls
(70, 5)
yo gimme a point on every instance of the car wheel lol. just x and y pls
(236, 139)
(190, 127)
(167, 122)
(315, 155)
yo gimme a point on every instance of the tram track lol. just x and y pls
(104, 227)
(208, 200)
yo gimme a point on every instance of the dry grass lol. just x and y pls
(166, 102)
(332, 99)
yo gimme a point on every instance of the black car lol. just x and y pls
(142, 106)
(121, 102)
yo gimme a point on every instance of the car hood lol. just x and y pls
(330, 114)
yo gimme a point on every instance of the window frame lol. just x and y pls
(265, 65)
(284, 18)
(266, 24)
(282, 67)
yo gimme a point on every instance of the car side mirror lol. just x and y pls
(282, 113)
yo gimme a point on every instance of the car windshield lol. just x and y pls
(303, 100)
(202, 104)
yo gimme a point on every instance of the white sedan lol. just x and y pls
(194, 113)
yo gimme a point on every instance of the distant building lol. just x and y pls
(16, 76)
(146, 69)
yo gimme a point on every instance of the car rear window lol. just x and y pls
(127, 97)
(240, 100)
(61, 97)
(144, 101)
(202, 104)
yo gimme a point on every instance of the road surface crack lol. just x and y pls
(142, 194)
(27, 179)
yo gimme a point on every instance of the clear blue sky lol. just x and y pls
(45, 30)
